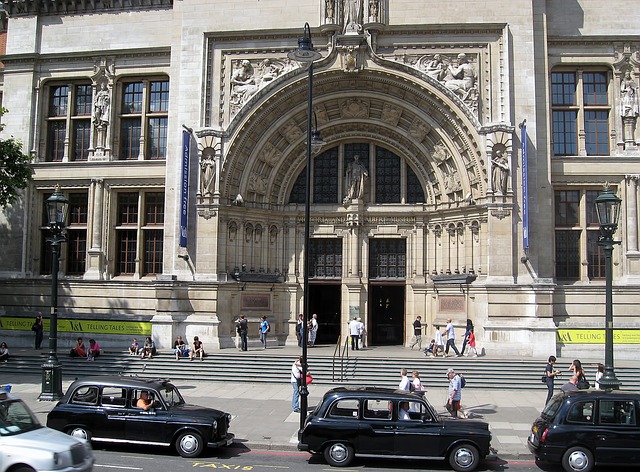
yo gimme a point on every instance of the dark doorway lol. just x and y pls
(324, 300)
(386, 320)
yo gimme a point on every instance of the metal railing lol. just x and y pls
(341, 356)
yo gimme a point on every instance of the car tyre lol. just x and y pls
(577, 459)
(464, 458)
(339, 454)
(79, 432)
(189, 444)
(24, 469)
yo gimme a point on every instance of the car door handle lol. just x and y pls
(602, 437)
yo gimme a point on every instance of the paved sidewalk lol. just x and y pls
(262, 417)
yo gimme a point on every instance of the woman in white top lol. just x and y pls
(599, 375)
(416, 383)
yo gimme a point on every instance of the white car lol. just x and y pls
(27, 446)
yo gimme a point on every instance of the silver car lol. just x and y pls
(27, 446)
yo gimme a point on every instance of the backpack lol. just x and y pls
(463, 381)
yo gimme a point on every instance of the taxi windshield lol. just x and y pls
(16, 418)
(171, 396)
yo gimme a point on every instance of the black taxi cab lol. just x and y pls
(586, 428)
(381, 422)
(107, 409)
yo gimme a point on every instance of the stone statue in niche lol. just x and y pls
(628, 96)
(207, 171)
(460, 78)
(329, 10)
(352, 15)
(102, 106)
(499, 171)
(374, 11)
(354, 180)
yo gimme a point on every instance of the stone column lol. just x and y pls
(632, 212)
(95, 255)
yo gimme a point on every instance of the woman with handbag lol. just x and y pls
(576, 368)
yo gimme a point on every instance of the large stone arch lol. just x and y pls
(413, 116)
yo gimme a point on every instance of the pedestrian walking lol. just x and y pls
(417, 333)
(296, 381)
(354, 332)
(38, 329)
(467, 333)
(455, 393)
(451, 339)
(599, 375)
(313, 330)
(300, 329)
(264, 330)
(363, 332)
(416, 383)
(405, 383)
(472, 352)
(551, 374)
(243, 328)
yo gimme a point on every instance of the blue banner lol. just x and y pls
(184, 197)
(525, 186)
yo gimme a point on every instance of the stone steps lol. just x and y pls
(479, 372)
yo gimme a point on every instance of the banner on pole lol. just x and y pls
(525, 186)
(184, 194)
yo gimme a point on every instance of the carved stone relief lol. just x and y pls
(355, 108)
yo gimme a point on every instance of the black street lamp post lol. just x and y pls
(608, 211)
(306, 55)
(57, 206)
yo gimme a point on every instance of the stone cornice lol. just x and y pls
(66, 7)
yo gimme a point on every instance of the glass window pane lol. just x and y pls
(595, 88)
(127, 208)
(153, 246)
(132, 98)
(159, 97)
(596, 125)
(58, 101)
(567, 254)
(325, 257)
(154, 208)
(325, 177)
(157, 133)
(83, 100)
(57, 132)
(387, 258)
(387, 177)
(595, 255)
(298, 194)
(130, 132)
(81, 136)
(76, 251)
(415, 192)
(565, 136)
(563, 88)
(567, 203)
(592, 217)
(78, 208)
(126, 254)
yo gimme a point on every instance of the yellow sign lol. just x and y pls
(596, 336)
(129, 328)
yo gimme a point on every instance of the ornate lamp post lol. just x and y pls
(306, 55)
(608, 211)
(57, 207)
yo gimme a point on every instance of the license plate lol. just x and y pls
(229, 441)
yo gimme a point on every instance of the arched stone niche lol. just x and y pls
(413, 119)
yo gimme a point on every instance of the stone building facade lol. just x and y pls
(418, 205)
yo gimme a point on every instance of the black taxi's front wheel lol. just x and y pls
(339, 454)
(189, 444)
(464, 458)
